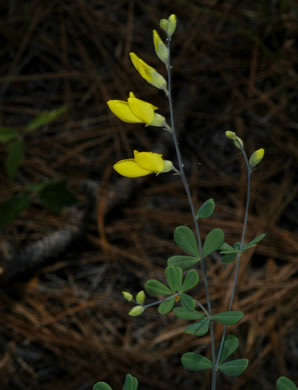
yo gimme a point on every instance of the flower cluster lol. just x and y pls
(135, 110)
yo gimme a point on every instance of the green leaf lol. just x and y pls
(199, 328)
(254, 242)
(194, 362)
(234, 367)
(228, 317)
(206, 209)
(174, 276)
(154, 287)
(12, 208)
(8, 133)
(188, 302)
(55, 195)
(186, 240)
(226, 259)
(44, 118)
(225, 247)
(166, 306)
(15, 155)
(213, 242)
(284, 383)
(101, 386)
(191, 280)
(231, 344)
(131, 383)
(184, 314)
(184, 262)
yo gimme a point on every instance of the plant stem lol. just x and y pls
(191, 205)
(238, 260)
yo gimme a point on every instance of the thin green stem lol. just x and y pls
(238, 260)
(191, 205)
(160, 301)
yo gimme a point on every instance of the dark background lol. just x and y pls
(64, 324)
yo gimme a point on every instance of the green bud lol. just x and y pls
(172, 25)
(161, 49)
(230, 134)
(127, 296)
(136, 311)
(140, 297)
(169, 25)
(164, 23)
(256, 157)
(238, 143)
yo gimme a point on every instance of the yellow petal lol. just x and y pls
(129, 168)
(143, 110)
(144, 69)
(121, 109)
(150, 161)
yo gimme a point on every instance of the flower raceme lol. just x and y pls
(143, 164)
(149, 73)
(136, 111)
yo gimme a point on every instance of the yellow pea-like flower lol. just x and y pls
(136, 111)
(148, 73)
(143, 164)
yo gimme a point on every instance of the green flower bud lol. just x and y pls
(164, 23)
(169, 25)
(172, 25)
(238, 143)
(230, 134)
(136, 311)
(161, 49)
(256, 157)
(127, 296)
(140, 297)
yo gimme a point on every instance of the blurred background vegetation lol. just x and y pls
(74, 234)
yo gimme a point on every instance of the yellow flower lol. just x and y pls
(148, 73)
(161, 49)
(136, 111)
(143, 164)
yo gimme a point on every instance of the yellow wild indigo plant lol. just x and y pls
(180, 273)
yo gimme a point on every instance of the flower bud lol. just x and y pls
(136, 311)
(127, 296)
(172, 25)
(140, 297)
(238, 143)
(230, 134)
(164, 23)
(256, 158)
(161, 49)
